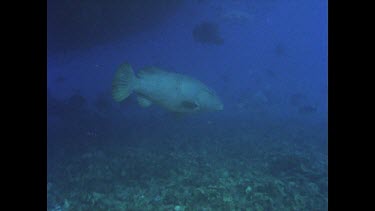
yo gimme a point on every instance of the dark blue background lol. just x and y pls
(278, 52)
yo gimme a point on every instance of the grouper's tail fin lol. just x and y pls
(123, 82)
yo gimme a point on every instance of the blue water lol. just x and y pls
(267, 150)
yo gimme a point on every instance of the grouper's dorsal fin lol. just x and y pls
(151, 70)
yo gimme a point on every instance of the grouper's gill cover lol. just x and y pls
(172, 91)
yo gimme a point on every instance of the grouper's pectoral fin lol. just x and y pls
(143, 101)
(189, 105)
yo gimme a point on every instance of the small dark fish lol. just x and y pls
(225, 77)
(297, 99)
(91, 134)
(207, 32)
(102, 102)
(280, 49)
(60, 79)
(307, 109)
(270, 73)
(76, 101)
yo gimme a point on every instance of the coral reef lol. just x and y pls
(181, 180)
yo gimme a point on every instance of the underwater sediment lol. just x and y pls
(191, 173)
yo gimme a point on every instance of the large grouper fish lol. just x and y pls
(172, 91)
